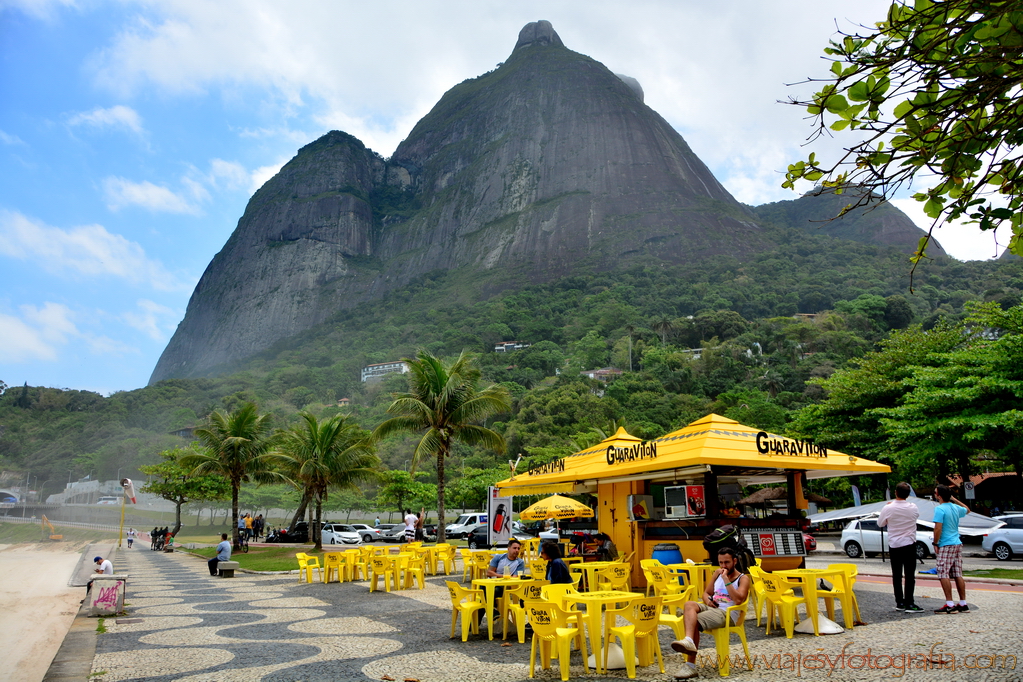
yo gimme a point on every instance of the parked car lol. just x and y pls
(810, 542)
(478, 538)
(1006, 541)
(339, 534)
(863, 536)
(300, 534)
(396, 533)
(465, 524)
(368, 533)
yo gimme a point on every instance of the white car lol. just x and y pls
(465, 524)
(1006, 541)
(863, 536)
(339, 534)
(368, 533)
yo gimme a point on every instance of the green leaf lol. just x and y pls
(836, 104)
(840, 124)
(1001, 214)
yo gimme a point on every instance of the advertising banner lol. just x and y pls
(696, 504)
(499, 512)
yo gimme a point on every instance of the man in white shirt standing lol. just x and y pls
(900, 516)
(410, 525)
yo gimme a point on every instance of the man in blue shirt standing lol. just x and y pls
(223, 554)
(949, 548)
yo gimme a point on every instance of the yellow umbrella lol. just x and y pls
(555, 507)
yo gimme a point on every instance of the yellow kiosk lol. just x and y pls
(668, 489)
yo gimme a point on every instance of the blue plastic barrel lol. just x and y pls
(667, 553)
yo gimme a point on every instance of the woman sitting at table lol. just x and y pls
(727, 587)
(557, 570)
(607, 550)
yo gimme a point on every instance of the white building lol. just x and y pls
(371, 373)
(509, 346)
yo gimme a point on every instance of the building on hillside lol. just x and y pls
(604, 374)
(697, 353)
(509, 346)
(344, 402)
(186, 432)
(372, 373)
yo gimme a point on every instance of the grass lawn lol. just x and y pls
(12, 533)
(1008, 573)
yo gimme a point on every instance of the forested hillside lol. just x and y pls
(766, 327)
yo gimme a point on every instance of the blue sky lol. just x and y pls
(133, 133)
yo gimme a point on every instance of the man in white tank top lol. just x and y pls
(727, 587)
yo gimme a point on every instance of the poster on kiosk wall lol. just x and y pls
(499, 511)
(695, 503)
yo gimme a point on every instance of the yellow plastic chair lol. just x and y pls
(445, 554)
(783, 601)
(723, 636)
(480, 564)
(537, 567)
(531, 548)
(842, 590)
(615, 577)
(562, 595)
(551, 628)
(306, 564)
(513, 605)
(665, 583)
(382, 567)
(333, 566)
(415, 570)
(626, 558)
(670, 606)
(466, 555)
(647, 566)
(465, 603)
(638, 637)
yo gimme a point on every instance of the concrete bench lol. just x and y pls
(227, 568)
(106, 598)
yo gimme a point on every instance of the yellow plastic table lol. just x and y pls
(589, 569)
(489, 586)
(595, 604)
(808, 582)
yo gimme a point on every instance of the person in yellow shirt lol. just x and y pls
(248, 525)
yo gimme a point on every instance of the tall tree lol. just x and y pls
(934, 92)
(237, 446)
(177, 483)
(447, 404)
(319, 456)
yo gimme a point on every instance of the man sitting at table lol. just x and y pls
(509, 560)
(727, 587)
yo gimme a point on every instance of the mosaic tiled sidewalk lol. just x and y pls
(199, 628)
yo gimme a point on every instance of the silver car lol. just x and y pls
(1006, 541)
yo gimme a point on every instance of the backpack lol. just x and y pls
(729, 536)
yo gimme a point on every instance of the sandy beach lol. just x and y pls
(36, 605)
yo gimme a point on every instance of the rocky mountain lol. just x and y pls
(517, 175)
(548, 162)
(876, 223)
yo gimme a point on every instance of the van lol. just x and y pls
(465, 524)
(109, 500)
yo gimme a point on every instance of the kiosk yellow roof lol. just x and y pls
(733, 449)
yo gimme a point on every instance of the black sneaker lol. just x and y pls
(899, 607)
(947, 609)
(963, 608)
(913, 608)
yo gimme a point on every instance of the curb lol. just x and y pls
(241, 570)
(968, 578)
(838, 552)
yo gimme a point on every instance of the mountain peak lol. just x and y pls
(538, 33)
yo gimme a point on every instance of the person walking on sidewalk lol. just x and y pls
(900, 516)
(223, 554)
(949, 548)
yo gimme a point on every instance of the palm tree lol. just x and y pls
(319, 456)
(664, 326)
(238, 447)
(448, 404)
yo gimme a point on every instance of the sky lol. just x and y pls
(133, 133)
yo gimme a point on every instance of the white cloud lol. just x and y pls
(7, 138)
(118, 116)
(259, 176)
(88, 250)
(155, 320)
(40, 9)
(121, 192)
(40, 333)
(962, 241)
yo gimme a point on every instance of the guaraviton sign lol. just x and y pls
(766, 445)
(613, 455)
